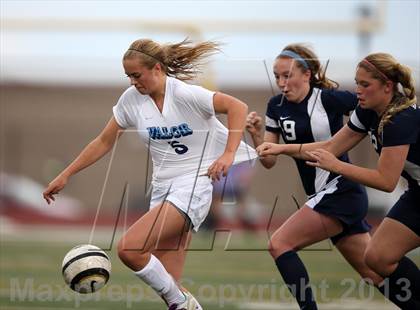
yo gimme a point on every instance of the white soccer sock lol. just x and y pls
(155, 275)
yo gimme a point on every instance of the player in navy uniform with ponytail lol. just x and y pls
(310, 109)
(389, 114)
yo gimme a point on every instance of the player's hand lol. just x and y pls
(54, 188)
(324, 160)
(268, 148)
(254, 123)
(221, 165)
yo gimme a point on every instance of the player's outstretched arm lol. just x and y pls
(385, 177)
(344, 140)
(89, 155)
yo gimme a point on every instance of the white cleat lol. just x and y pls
(190, 303)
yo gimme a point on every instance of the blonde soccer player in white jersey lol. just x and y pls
(189, 148)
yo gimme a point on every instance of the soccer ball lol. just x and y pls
(86, 268)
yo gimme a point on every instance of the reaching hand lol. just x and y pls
(324, 160)
(221, 165)
(254, 123)
(54, 188)
(268, 148)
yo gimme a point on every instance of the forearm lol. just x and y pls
(369, 177)
(299, 150)
(89, 155)
(257, 139)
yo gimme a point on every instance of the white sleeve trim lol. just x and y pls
(119, 121)
(356, 122)
(271, 122)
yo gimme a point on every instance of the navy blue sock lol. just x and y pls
(413, 274)
(403, 285)
(296, 277)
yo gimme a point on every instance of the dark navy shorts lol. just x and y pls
(346, 201)
(407, 210)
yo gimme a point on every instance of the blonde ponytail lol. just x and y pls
(182, 60)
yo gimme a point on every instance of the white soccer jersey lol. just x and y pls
(186, 137)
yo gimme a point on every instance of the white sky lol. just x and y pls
(57, 56)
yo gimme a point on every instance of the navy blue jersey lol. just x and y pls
(403, 129)
(317, 118)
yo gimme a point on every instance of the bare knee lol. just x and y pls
(379, 262)
(132, 257)
(124, 253)
(278, 246)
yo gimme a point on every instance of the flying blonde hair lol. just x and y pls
(182, 60)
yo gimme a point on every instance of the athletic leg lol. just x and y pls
(172, 255)
(303, 228)
(385, 255)
(353, 247)
(154, 229)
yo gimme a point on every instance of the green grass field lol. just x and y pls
(30, 268)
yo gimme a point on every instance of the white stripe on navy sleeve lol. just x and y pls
(354, 120)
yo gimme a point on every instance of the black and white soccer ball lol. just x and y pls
(86, 268)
